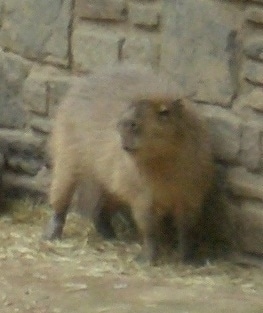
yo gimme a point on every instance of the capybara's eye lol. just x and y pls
(133, 125)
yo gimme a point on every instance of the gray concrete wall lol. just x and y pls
(212, 48)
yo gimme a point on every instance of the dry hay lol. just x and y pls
(82, 251)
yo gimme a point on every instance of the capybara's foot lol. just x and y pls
(148, 255)
(54, 228)
(143, 259)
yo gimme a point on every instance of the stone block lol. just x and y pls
(44, 88)
(24, 165)
(1, 12)
(143, 50)
(254, 14)
(37, 29)
(253, 72)
(246, 226)
(250, 220)
(250, 153)
(245, 184)
(40, 124)
(93, 48)
(144, 15)
(21, 185)
(253, 48)
(225, 129)
(13, 71)
(35, 95)
(253, 99)
(20, 142)
(115, 10)
(200, 43)
(248, 106)
(23, 151)
(57, 87)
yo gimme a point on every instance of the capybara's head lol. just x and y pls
(152, 124)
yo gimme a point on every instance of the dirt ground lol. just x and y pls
(83, 273)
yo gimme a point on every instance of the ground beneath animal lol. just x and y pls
(84, 273)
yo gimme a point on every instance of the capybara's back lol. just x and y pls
(129, 131)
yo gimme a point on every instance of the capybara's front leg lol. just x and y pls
(150, 251)
(147, 224)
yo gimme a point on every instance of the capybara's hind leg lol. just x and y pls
(93, 203)
(61, 193)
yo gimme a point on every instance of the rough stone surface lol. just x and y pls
(141, 50)
(250, 153)
(41, 124)
(24, 164)
(93, 49)
(37, 29)
(254, 99)
(14, 141)
(254, 48)
(1, 12)
(254, 14)
(248, 106)
(253, 72)
(44, 88)
(21, 185)
(245, 184)
(144, 15)
(200, 46)
(13, 71)
(57, 87)
(101, 9)
(35, 95)
(23, 152)
(225, 130)
(251, 227)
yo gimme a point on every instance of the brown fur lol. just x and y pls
(129, 131)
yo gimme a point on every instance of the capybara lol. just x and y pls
(130, 132)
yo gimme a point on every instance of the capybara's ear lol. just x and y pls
(163, 109)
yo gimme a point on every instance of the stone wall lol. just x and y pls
(212, 48)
